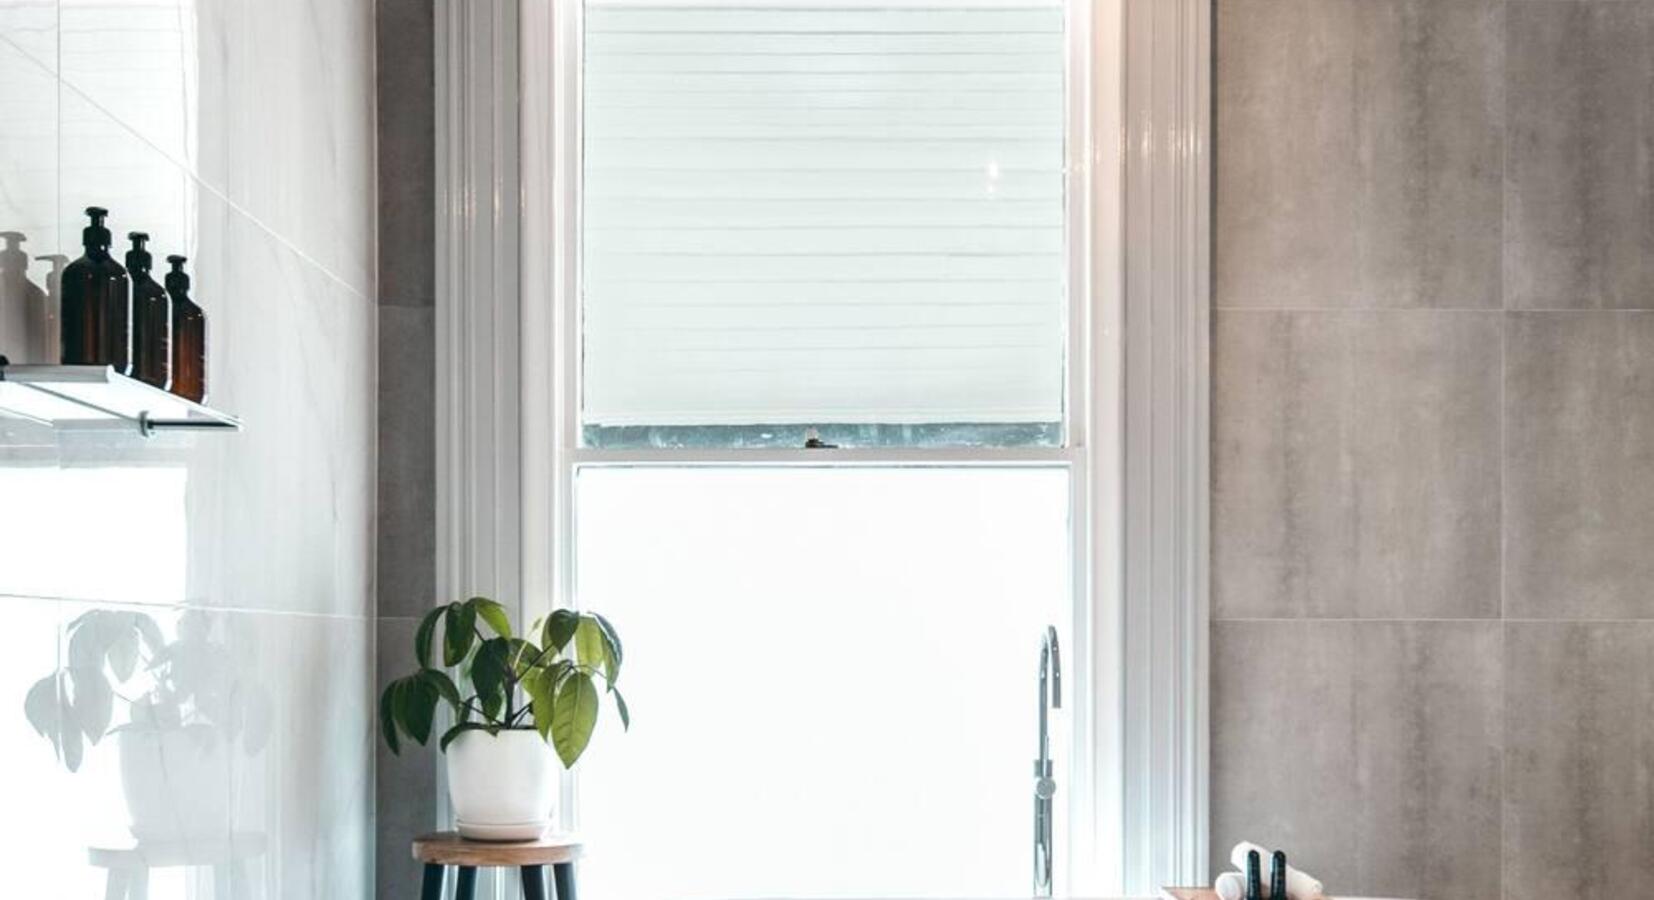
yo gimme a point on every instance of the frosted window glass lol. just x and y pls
(802, 214)
(832, 678)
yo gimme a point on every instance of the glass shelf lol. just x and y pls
(98, 396)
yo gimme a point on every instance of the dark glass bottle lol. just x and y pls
(151, 318)
(96, 304)
(189, 336)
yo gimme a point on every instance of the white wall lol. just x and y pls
(239, 134)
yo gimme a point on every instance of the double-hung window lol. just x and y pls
(825, 385)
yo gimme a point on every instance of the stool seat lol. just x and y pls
(446, 848)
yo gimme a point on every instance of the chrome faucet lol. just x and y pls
(1050, 697)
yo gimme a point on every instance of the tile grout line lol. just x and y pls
(188, 170)
(184, 607)
(1504, 421)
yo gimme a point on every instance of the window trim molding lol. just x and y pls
(499, 349)
(1166, 598)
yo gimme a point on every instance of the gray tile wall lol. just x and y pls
(406, 784)
(1433, 443)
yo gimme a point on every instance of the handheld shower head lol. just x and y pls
(1051, 661)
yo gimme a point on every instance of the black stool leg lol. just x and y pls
(465, 888)
(563, 874)
(431, 889)
(534, 883)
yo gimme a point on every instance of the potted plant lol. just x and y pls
(186, 706)
(530, 702)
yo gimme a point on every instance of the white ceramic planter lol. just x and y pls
(503, 787)
(176, 784)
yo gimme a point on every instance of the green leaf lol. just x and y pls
(387, 717)
(416, 707)
(442, 684)
(523, 654)
(559, 628)
(422, 637)
(620, 706)
(574, 718)
(489, 673)
(541, 685)
(492, 613)
(454, 732)
(459, 632)
(610, 637)
(588, 642)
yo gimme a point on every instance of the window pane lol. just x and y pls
(831, 674)
(800, 215)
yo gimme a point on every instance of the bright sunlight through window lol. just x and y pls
(831, 673)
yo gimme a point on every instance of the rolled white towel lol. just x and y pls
(1299, 886)
(1230, 886)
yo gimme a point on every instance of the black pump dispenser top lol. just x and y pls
(178, 280)
(95, 236)
(138, 259)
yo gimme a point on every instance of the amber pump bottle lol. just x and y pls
(189, 336)
(151, 318)
(96, 316)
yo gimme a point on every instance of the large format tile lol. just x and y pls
(407, 461)
(280, 515)
(1579, 190)
(405, 783)
(308, 794)
(28, 205)
(30, 26)
(1368, 751)
(407, 153)
(269, 104)
(1579, 398)
(1355, 464)
(1285, 154)
(34, 780)
(1581, 747)
(1359, 149)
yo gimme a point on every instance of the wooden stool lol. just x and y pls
(447, 848)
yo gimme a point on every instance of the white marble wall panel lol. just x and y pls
(239, 134)
(269, 104)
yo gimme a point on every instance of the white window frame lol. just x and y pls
(507, 431)
(1090, 451)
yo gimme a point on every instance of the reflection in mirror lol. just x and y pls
(28, 319)
(153, 711)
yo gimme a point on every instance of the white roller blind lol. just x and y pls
(823, 212)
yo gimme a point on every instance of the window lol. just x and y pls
(833, 676)
(843, 216)
(854, 221)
